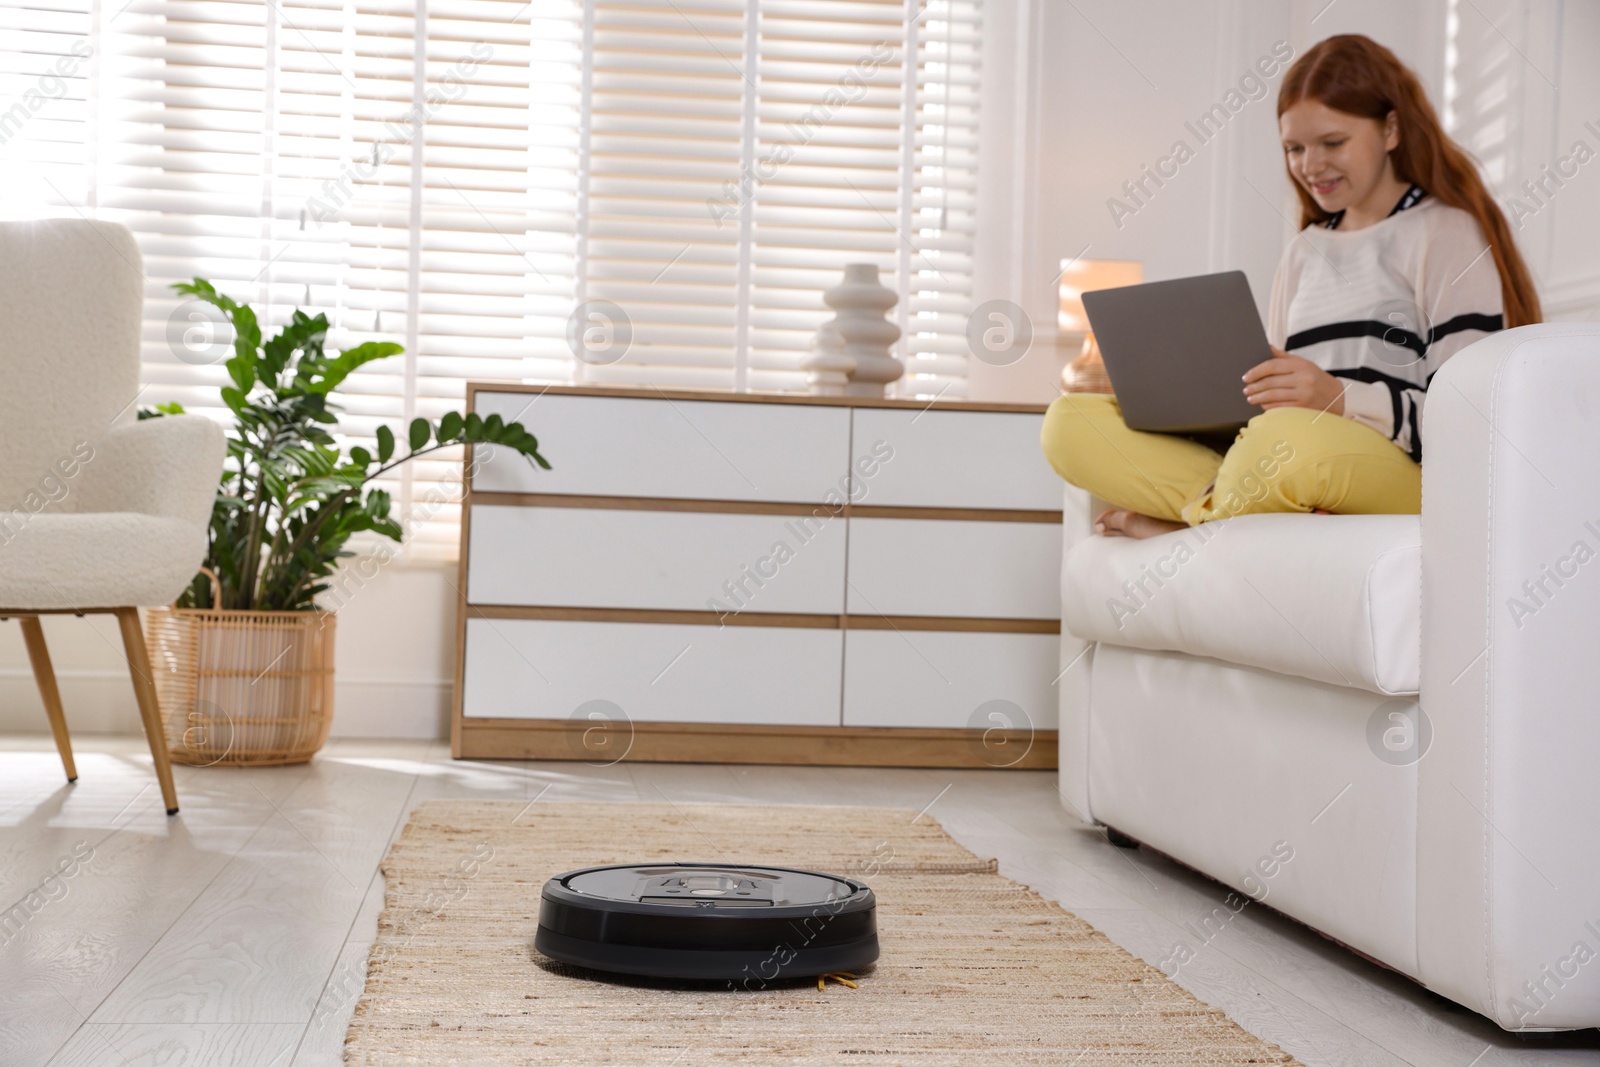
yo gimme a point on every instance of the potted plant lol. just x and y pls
(244, 659)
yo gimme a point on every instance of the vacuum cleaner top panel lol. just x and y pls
(702, 885)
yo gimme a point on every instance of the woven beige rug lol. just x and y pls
(974, 967)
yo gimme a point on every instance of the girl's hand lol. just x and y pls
(1286, 381)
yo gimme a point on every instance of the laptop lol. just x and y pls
(1175, 351)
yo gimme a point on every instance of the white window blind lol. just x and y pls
(461, 175)
(45, 106)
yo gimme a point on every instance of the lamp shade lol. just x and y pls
(1079, 276)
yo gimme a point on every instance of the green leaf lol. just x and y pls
(172, 407)
(314, 460)
(242, 369)
(473, 429)
(385, 444)
(275, 486)
(330, 373)
(325, 459)
(450, 426)
(360, 457)
(246, 333)
(420, 429)
(233, 398)
(329, 485)
(301, 333)
(492, 427)
(199, 287)
(377, 505)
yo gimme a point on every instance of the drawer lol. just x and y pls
(951, 680)
(990, 570)
(683, 449)
(541, 669)
(672, 560)
(955, 459)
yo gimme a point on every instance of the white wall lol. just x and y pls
(1077, 96)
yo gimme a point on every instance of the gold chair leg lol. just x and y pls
(44, 674)
(144, 690)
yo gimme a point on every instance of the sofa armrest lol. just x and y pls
(1077, 656)
(168, 466)
(1508, 805)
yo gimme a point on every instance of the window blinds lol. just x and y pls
(461, 175)
(1479, 108)
(45, 108)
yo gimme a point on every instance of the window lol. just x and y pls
(461, 175)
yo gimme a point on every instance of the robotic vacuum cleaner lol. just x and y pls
(708, 920)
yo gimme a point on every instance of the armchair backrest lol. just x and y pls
(71, 299)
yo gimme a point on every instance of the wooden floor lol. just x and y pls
(236, 934)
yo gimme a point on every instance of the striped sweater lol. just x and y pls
(1383, 307)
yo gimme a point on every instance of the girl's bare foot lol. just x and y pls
(1123, 522)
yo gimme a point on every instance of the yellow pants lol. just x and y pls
(1285, 459)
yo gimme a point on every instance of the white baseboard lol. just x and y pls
(101, 702)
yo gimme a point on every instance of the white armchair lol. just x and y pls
(98, 512)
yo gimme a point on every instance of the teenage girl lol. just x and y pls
(1402, 260)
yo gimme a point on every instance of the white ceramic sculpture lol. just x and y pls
(860, 303)
(827, 367)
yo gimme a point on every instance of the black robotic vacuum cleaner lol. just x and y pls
(708, 920)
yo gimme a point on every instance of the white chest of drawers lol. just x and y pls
(740, 578)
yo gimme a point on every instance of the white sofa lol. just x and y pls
(1247, 701)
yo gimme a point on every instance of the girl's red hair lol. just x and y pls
(1359, 76)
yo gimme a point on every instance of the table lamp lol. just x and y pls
(1086, 373)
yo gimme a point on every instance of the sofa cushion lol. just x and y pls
(1336, 598)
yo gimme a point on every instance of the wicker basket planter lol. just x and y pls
(243, 688)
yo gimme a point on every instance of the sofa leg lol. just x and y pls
(144, 690)
(1120, 839)
(45, 676)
